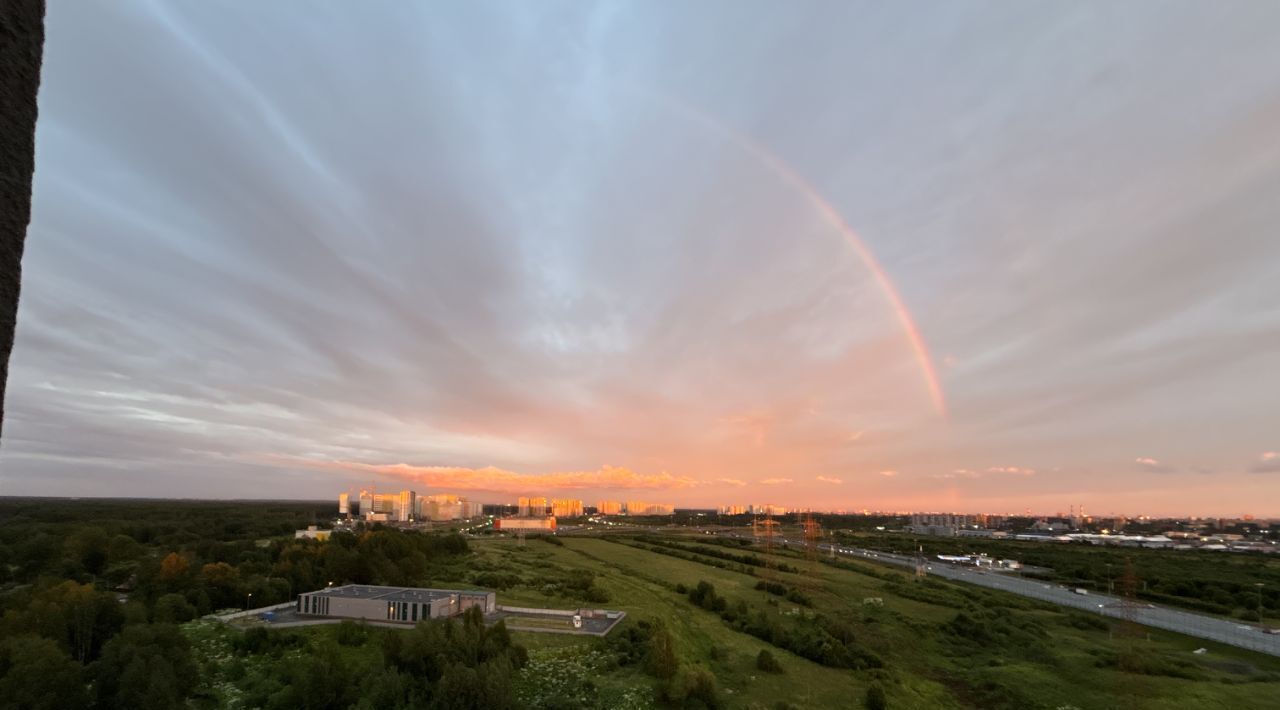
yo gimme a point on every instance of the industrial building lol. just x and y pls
(401, 604)
(515, 524)
(312, 533)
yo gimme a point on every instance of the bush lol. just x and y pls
(351, 634)
(695, 687)
(767, 663)
(661, 660)
(876, 699)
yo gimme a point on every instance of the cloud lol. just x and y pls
(498, 480)
(1012, 470)
(829, 479)
(775, 481)
(889, 473)
(956, 473)
(1146, 463)
(1268, 462)
(731, 481)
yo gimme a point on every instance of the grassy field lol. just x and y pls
(943, 645)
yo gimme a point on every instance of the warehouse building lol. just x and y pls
(516, 524)
(405, 604)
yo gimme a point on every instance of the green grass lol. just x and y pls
(1048, 657)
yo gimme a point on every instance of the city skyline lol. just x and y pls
(526, 251)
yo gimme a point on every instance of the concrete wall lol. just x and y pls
(21, 51)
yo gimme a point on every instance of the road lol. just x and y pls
(1198, 625)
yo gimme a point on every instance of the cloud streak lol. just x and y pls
(609, 478)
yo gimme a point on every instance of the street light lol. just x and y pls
(248, 601)
(1259, 586)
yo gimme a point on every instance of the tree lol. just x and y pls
(173, 568)
(145, 667)
(661, 660)
(173, 609)
(36, 674)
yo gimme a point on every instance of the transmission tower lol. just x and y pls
(762, 529)
(812, 533)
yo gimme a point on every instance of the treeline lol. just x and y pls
(701, 553)
(819, 638)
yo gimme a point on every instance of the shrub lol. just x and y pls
(767, 663)
(876, 699)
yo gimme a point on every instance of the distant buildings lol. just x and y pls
(636, 507)
(941, 524)
(407, 507)
(312, 533)
(733, 510)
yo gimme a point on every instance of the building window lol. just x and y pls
(413, 615)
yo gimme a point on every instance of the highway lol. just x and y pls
(1198, 625)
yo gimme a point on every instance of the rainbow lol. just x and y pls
(833, 217)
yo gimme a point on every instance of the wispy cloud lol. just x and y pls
(731, 481)
(1146, 463)
(1268, 462)
(775, 481)
(955, 473)
(502, 481)
(889, 473)
(829, 479)
(1012, 470)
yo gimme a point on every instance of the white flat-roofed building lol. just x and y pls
(548, 523)
(400, 604)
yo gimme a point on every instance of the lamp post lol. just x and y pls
(1259, 586)
(248, 601)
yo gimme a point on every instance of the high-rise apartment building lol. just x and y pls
(532, 507)
(609, 507)
(344, 505)
(566, 508)
(405, 506)
(637, 507)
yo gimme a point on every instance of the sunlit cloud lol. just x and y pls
(829, 479)
(1146, 463)
(731, 481)
(1268, 462)
(775, 481)
(889, 473)
(502, 481)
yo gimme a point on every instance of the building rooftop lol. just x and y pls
(398, 594)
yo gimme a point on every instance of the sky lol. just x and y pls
(933, 256)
